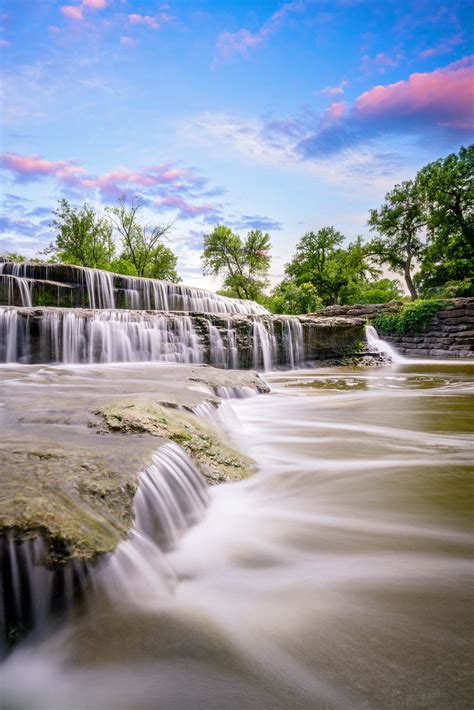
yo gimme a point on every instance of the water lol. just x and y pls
(339, 576)
(105, 335)
(103, 289)
(376, 343)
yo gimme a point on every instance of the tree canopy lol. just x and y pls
(83, 238)
(244, 263)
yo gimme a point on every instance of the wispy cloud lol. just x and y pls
(445, 46)
(240, 42)
(154, 22)
(333, 91)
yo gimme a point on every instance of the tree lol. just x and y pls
(320, 260)
(142, 247)
(398, 223)
(244, 263)
(378, 291)
(447, 189)
(84, 238)
(292, 299)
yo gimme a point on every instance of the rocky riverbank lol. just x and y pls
(72, 448)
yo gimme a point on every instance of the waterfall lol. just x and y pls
(15, 281)
(218, 351)
(104, 289)
(264, 346)
(100, 289)
(381, 346)
(171, 497)
(30, 592)
(55, 335)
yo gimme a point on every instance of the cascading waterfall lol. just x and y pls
(104, 289)
(171, 497)
(107, 336)
(381, 346)
(16, 281)
(264, 346)
(30, 592)
(100, 289)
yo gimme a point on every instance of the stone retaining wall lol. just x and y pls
(449, 333)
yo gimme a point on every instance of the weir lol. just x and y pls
(79, 287)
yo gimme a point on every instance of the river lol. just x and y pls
(337, 577)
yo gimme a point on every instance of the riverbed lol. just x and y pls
(336, 577)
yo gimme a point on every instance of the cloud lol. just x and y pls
(332, 91)
(4, 43)
(76, 12)
(96, 4)
(247, 221)
(444, 46)
(32, 167)
(72, 12)
(165, 185)
(154, 22)
(186, 210)
(442, 97)
(128, 41)
(240, 42)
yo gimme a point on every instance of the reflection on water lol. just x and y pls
(337, 577)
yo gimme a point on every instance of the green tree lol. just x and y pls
(321, 261)
(143, 253)
(244, 263)
(447, 189)
(398, 224)
(84, 238)
(378, 291)
(292, 299)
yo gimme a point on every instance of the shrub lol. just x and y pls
(411, 317)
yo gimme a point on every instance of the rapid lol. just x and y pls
(339, 576)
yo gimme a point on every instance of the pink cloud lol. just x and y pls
(164, 179)
(443, 96)
(96, 4)
(148, 20)
(4, 43)
(185, 209)
(30, 167)
(54, 29)
(384, 60)
(72, 12)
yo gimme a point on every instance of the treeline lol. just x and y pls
(86, 238)
(423, 231)
(425, 225)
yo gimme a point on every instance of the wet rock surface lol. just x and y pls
(74, 442)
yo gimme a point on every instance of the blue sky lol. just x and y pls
(285, 116)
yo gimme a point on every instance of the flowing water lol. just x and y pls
(337, 577)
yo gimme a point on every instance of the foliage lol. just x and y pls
(143, 251)
(289, 298)
(410, 318)
(461, 288)
(381, 291)
(84, 238)
(447, 188)
(398, 223)
(334, 272)
(244, 263)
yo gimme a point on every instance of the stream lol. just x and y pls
(339, 576)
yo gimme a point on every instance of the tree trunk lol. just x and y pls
(409, 281)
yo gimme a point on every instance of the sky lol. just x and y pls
(280, 116)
